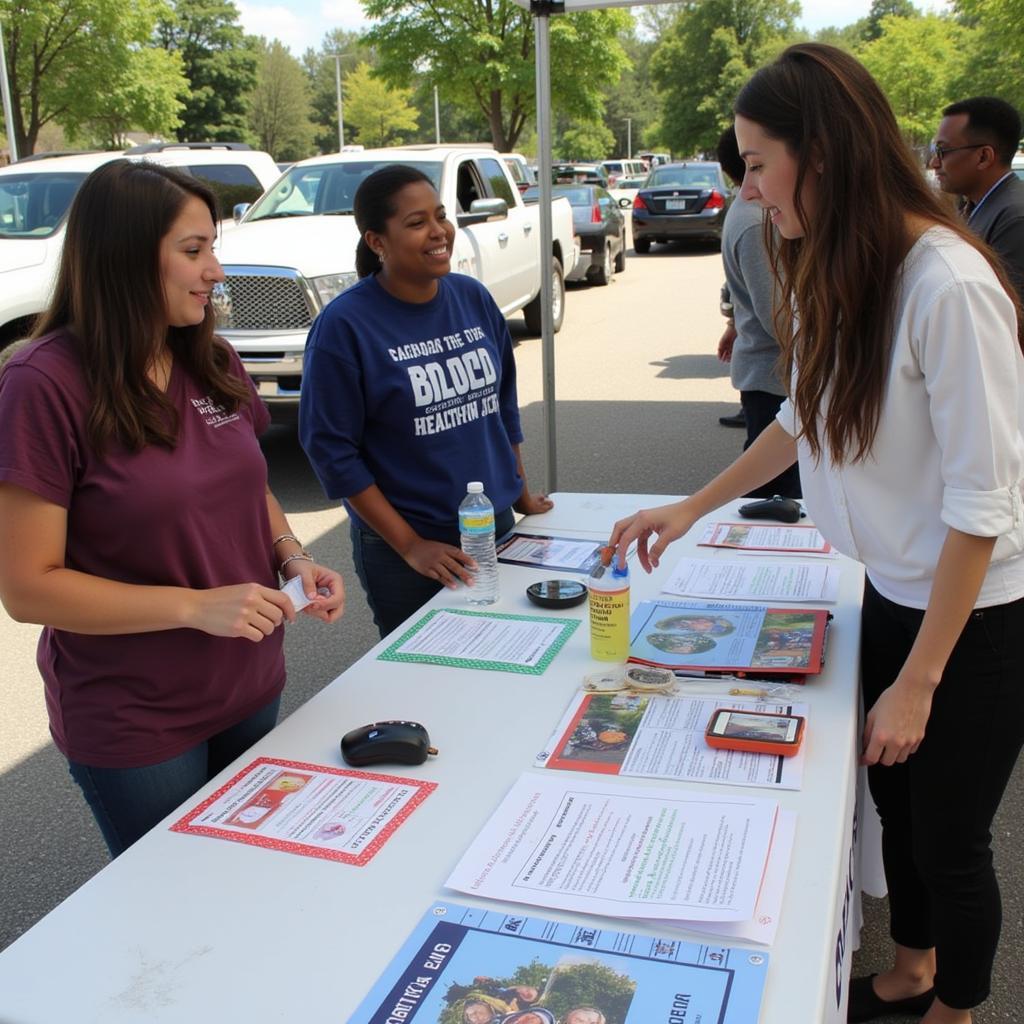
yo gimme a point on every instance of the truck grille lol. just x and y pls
(275, 301)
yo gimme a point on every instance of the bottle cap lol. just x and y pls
(474, 487)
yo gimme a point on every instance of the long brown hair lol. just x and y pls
(838, 284)
(109, 296)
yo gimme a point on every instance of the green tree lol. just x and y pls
(484, 55)
(916, 61)
(994, 51)
(279, 104)
(376, 112)
(882, 9)
(704, 57)
(321, 69)
(633, 97)
(219, 61)
(587, 141)
(83, 64)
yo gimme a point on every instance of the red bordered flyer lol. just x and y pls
(804, 540)
(310, 809)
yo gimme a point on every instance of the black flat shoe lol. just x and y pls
(738, 419)
(866, 1004)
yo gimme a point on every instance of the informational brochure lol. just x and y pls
(314, 810)
(760, 928)
(661, 736)
(751, 537)
(568, 554)
(696, 637)
(483, 640)
(465, 964)
(614, 848)
(754, 580)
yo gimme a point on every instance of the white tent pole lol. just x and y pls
(541, 12)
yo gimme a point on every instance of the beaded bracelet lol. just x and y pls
(291, 558)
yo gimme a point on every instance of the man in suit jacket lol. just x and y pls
(971, 156)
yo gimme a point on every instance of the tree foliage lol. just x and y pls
(83, 64)
(706, 55)
(219, 61)
(917, 61)
(321, 69)
(586, 140)
(279, 104)
(882, 9)
(482, 54)
(995, 49)
(377, 113)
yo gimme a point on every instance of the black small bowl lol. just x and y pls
(557, 593)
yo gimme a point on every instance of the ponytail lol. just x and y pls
(367, 261)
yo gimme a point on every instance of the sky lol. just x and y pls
(301, 24)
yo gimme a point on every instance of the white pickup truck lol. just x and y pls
(294, 250)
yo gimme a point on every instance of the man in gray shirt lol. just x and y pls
(751, 348)
(971, 157)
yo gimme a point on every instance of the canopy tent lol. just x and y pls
(542, 11)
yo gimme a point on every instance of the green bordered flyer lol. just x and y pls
(492, 641)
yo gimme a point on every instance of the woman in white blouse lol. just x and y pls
(900, 341)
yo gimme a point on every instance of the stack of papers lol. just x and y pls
(714, 863)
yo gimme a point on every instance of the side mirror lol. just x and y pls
(239, 211)
(625, 202)
(482, 210)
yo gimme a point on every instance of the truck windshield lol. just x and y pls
(326, 188)
(34, 205)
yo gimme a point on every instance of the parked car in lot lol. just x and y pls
(623, 168)
(295, 249)
(519, 170)
(601, 228)
(625, 189)
(1017, 165)
(579, 174)
(677, 201)
(35, 195)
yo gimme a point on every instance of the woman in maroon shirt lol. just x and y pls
(138, 527)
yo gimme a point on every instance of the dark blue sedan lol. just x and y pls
(680, 201)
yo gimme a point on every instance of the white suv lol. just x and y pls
(35, 194)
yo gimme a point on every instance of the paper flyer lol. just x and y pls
(569, 554)
(483, 640)
(648, 736)
(752, 580)
(719, 637)
(622, 850)
(314, 810)
(462, 964)
(805, 539)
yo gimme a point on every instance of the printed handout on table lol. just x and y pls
(571, 554)
(314, 810)
(806, 540)
(753, 580)
(656, 736)
(461, 963)
(483, 640)
(718, 637)
(621, 850)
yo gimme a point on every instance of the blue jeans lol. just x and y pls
(394, 590)
(128, 802)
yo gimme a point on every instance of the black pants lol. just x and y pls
(937, 808)
(760, 409)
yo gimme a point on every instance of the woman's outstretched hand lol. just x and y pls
(669, 522)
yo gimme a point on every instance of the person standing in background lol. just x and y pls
(751, 348)
(972, 156)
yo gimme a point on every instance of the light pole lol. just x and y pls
(437, 119)
(337, 81)
(629, 138)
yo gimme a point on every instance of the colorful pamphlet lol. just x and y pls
(311, 809)
(714, 638)
(465, 964)
(806, 540)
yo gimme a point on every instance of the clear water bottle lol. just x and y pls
(476, 527)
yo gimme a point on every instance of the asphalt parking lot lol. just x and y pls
(639, 395)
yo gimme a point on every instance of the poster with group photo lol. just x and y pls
(463, 965)
(314, 810)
